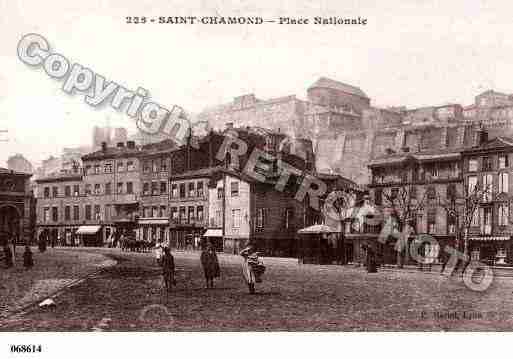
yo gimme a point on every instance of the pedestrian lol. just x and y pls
(252, 267)
(158, 253)
(210, 264)
(8, 256)
(168, 269)
(28, 260)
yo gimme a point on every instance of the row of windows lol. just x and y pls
(234, 190)
(190, 189)
(157, 165)
(109, 167)
(487, 163)
(73, 213)
(413, 193)
(97, 189)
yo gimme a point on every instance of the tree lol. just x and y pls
(404, 206)
(462, 210)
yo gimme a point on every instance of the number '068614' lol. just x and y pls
(22, 348)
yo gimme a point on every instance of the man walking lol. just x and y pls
(168, 269)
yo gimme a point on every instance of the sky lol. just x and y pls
(410, 53)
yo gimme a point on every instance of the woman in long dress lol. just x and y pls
(252, 268)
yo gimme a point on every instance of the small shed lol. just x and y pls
(318, 244)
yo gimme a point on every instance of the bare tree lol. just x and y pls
(462, 210)
(405, 207)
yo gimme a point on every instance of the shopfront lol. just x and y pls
(492, 250)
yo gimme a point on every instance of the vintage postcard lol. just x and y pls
(277, 166)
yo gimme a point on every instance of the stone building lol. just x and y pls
(16, 202)
(112, 189)
(489, 165)
(18, 163)
(60, 207)
(417, 184)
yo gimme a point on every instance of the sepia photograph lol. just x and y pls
(237, 172)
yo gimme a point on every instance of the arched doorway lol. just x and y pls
(10, 223)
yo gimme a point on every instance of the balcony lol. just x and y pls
(188, 223)
(126, 198)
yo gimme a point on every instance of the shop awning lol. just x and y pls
(213, 233)
(156, 221)
(491, 238)
(318, 228)
(88, 229)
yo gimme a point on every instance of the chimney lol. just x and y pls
(130, 144)
(104, 146)
(121, 144)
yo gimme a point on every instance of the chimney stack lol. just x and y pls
(130, 144)
(104, 146)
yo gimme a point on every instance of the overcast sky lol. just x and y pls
(424, 53)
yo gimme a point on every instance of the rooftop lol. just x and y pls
(325, 82)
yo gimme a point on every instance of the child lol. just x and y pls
(210, 265)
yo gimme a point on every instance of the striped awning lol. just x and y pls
(491, 238)
(156, 221)
(213, 232)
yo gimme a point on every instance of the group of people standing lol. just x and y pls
(252, 266)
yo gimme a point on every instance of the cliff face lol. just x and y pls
(347, 132)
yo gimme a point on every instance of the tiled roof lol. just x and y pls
(202, 172)
(325, 82)
(11, 172)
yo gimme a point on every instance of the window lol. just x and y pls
(154, 188)
(192, 191)
(234, 189)
(431, 221)
(394, 192)
(163, 187)
(129, 187)
(503, 214)
(76, 213)
(503, 182)
(451, 223)
(76, 190)
(146, 212)
(431, 192)
(182, 214)
(107, 212)
(199, 213)
(475, 218)
(120, 188)
(289, 216)
(174, 190)
(235, 218)
(190, 214)
(472, 165)
(97, 212)
(451, 191)
(96, 169)
(199, 188)
(378, 196)
(107, 168)
(146, 166)
(182, 190)
(174, 213)
(487, 163)
(220, 192)
(433, 171)
(130, 166)
(472, 183)
(121, 166)
(88, 170)
(46, 192)
(108, 188)
(67, 191)
(163, 212)
(88, 189)
(503, 161)
(163, 165)
(146, 188)
(218, 218)
(487, 187)
(261, 217)
(46, 214)
(413, 192)
(97, 189)
(88, 212)
(67, 213)
(486, 220)
(155, 166)
(154, 211)
(55, 214)
(55, 192)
